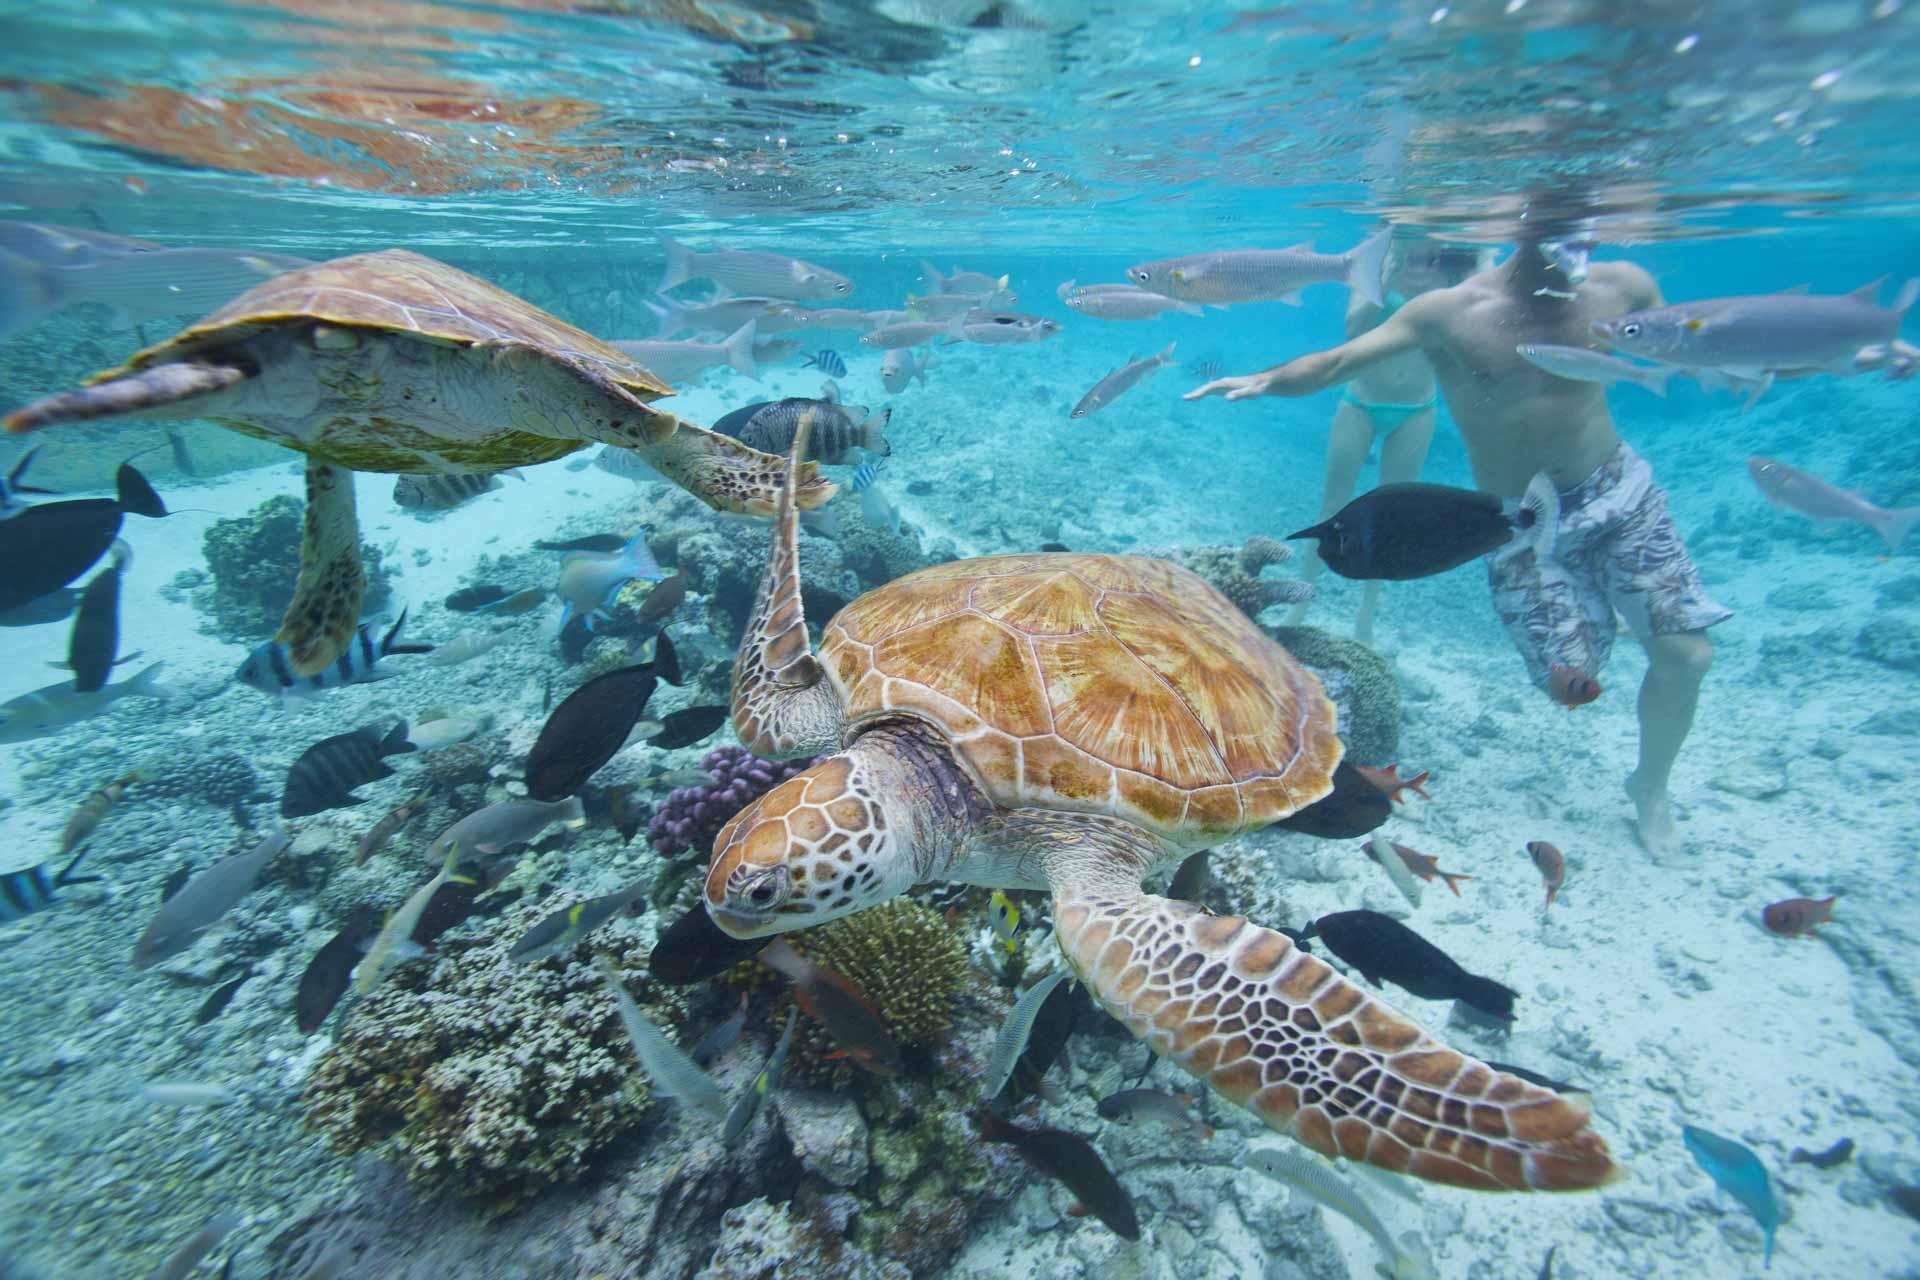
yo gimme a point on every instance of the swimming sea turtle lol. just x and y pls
(394, 362)
(1074, 723)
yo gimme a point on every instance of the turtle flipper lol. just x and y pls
(325, 611)
(782, 703)
(728, 475)
(149, 389)
(1275, 1030)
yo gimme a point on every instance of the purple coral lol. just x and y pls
(690, 817)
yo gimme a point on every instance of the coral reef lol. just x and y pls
(690, 817)
(253, 560)
(1361, 684)
(761, 1240)
(1259, 551)
(1235, 573)
(490, 1079)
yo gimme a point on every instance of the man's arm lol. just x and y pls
(1398, 334)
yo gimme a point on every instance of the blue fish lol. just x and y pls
(827, 362)
(10, 505)
(268, 669)
(1740, 1174)
(865, 474)
(590, 580)
(24, 892)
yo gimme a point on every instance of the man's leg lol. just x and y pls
(1675, 666)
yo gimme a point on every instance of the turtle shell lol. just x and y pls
(1112, 685)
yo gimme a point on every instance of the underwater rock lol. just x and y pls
(1235, 573)
(254, 559)
(1895, 722)
(827, 1131)
(1901, 591)
(765, 1241)
(1369, 705)
(1892, 642)
(1802, 597)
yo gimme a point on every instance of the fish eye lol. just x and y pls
(843, 288)
(1139, 273)
(1630, 330)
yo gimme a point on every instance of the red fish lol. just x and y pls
(1421, 864)
(839, 1006)
(1553, 867)
(1390, 781)
(1571, 688)
(1796, 917)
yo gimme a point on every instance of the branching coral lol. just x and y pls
(1360, 682)
(1236, 574)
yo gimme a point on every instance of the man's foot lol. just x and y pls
(1654, 820)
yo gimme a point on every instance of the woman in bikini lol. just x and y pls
(1391, 404)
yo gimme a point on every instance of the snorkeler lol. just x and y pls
(1616, 546)
(1392, 404)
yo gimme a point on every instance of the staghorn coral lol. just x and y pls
(690, 817)
(1259, 551)
(1362, 685)
(1227, 571)
(254, 559)
(490, 1079)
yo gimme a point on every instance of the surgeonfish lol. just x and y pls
(445, 492)
(203, 901)
(1795, 490)
(1355, 808)
(590, 580)
(694, 948)
(1738, 1172)
(180, 1264)
(91, 810)
(328, 772)
(1122, 380)
(685, 360)
(49, 544)
(689, 725)
(747, 1108)
(327, 977)
(588, 729)
(1383, 949)
(1012, 1037)
(1414, 530)
(1583, 364)
(669, 1070)
(588, 542)
(270, 670)
(498, 827)
(836, 1004)
(1071, 1161)
(93, 645)
(1136, 1106)
(754, 272)
(24, 892)
(1314, 1180)
(1005, 915)
(11, 486)
(395, 942)
(568, 926)
(1226, 277)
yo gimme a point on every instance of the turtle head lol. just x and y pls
(825, 843)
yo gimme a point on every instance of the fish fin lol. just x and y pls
(1062, 293)
(1321, 530)
(679, 264)
(1655, 380)
(830, 391)
(136, 494)
(872, 438)
(930, 276)
(1760, 388)
(1894, 526)
(1189, 308)
(1290, 299)
(1166, 353)
(66, 876)
(739, 350)
(669, 318)
(1540, 511)
(1868, 293)
(145, 684)
(1908, 295)
(640, 558)
(1803, 289)
(393, 633)
(396, 741)
(1366, 264)
(666, 662)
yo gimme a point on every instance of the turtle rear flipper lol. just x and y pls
(151, 388)
(325, 612)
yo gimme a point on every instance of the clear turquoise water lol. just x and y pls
(1727, 148)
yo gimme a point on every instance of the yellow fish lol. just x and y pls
(1006, 919)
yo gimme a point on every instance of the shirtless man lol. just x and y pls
(1616, 548)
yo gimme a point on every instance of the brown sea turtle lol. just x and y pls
(394, 362)
(1074, 723)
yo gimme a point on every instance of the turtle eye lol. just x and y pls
(762, 894)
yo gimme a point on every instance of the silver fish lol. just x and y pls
(1005, 328)
(772, 275)
(1801, 491)
(197, 1246)
(624, 463)
(55, 706)
(187, 1093)
(973, 284)
(203, 900)
(1011, 1042)
(682, 361)
(1317, 1182)
(464, 647)
(437, 735)
(721, 315)
(898, 369)
(1230, 276)
(841, 318)
(1761, 333)
(1121, 302)
(499, 827)
(672, 1073)
(1120, 381)
(940, 306)
(1582, 364)
(911, 333)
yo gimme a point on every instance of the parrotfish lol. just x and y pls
(93, 809)
(1738, 1172)
(590, 580)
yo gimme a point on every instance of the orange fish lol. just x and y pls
(1422, 865)
(1571, 688)
(1796, 917)
(1553, 867)
(836, 1004)
(1390, 781)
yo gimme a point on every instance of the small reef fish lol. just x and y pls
(1120, 381)
(93, 646)
(216, 1003)
(498, 827)
(1795, 490)
(1355, 808)
(719, 315)
(1071, 1161)
(587, 729)
(1384, 950)
(326, 774)
(1226, 277)
(566, 927)
(327, 977)
(1120, 302)
(747, 1109)
(972, 284)
(682, 361)
(826, 361)
(444, 493)
(878, 511)
(1761, 334)
(203, 901)
(187, 1093)
(1003, 328)
(394, 942)
(660, 604)
(24, 892)
(898, 369)
(1140, 1106)
(1738, 1172)
(473, 599)
(1005, 916)
(838, 429)
(11, 486)
(48, 545)
(1582, 364)
(836, 1004)
(1797, 917)
(464, 647)
(520, 602)
(437, 735)
(694, 948)
(1907, 1200)
(671, 1072)
(1381, 851)
(866, 475)
(1390, 781)
(724, 1035)
(1552, 866)
(1191, 878)
(772, 275)
(269, 669)
(1571, 687)
(687, 726)
(674, 779)
(1314, 1180)
(1420, 864)
(175, 878)
(1412, 530)
(385, 829)
(1046, 1041)
(591, 542)
(91, 810)
(1837, 1154)
(183, 1260)
(1011, 1040)
(590, 580)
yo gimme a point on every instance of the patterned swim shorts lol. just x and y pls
(1616, 549)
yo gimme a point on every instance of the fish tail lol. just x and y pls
(1655, 380)
(668, 316)
(1551, 890)
(679, 264)
(739, 349)
(136, 495)
(1908, 295)
(1166, 356)
(389, 642)
(1894, 526)
(146, 683)
(1761, 386)
(640, 558)
(1539, 516)
(396, 741)
(933, 279)
(872, 433)
(1366, 263)
(1452, 878)
(1413, 784)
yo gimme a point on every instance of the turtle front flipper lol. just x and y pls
(158, 386)
(325, 611)
(1277, 1031)
(728, 475)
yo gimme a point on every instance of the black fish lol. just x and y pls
(216, 1004)
(1534, 1077)
(175, 878)
(827, 362)
(1053, 546)
(325, 775)
(94, 644)
(1071, 1161)
(694, 948)
(1546, 1268)
(592, 542)
(440, 493)
(688, 726)
(24, 892)
(1052, 1027)
(51, 607)
(1382, 948)
(1414, 530)
(327, 976)
(1352, 809)
(10, 485)
(1191, 879)
(450, 905)
(472, 599)
(546, 697)
(1839, 1153)
(47, 546)
(586, 729)
(1301, 939)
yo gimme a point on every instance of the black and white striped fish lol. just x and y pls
(828, 362)
(24, 892)
(269, 670)
(838, 429)
(327, 773)
(443, 493)
(865, 474)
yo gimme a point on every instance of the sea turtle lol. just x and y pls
(391, 361)
(1075, 723)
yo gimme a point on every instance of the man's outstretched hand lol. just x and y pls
(1241, 388)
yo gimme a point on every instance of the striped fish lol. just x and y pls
(828, 362)
(442, 493)
(837, 431)
(24, 892)
(268, 669)
(865, 474)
